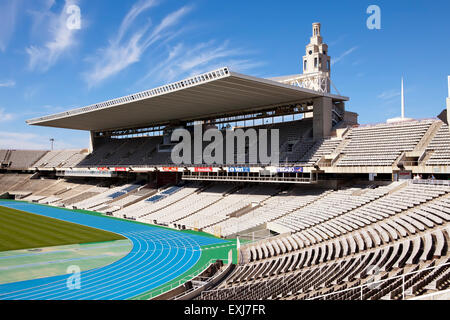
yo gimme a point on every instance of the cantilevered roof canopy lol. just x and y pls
(214, 93)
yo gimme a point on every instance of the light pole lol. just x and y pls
(51, 141)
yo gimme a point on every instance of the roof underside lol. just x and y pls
(215, 93)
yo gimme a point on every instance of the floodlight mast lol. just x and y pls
(448, 101)
(403, 101)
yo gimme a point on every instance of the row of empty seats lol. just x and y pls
(242, 199)
(60, 158)
(410, 236)
(187, 206)
(105, 196)
(149, 151)
(9, 181)
(331, 206)
(272, 208)
(374, 274)
(157, 201)
(440, 146)
(321, 148)
(26, 159)
(381, 145)
(374, 145)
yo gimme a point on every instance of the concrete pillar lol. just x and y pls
(322, 108)
(91, 141)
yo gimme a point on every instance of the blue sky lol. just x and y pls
(127, 46)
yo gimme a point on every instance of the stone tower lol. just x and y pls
(316, 58)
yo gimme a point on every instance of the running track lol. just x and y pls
(158, 256)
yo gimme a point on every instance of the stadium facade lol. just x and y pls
(318, 135)
(343, 200)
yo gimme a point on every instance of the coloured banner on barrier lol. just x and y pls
(238, 169)
(89, 173)
(203, 169)
(289, 169)
(170, 169)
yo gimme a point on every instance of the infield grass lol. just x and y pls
(24, 230)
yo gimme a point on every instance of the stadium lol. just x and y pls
(349, 212)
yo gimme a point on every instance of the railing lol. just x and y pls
(408, 163)
(183, 280)
(376, 284)
(244, 178)
(432, 182)
(366, 269)
(401, 122)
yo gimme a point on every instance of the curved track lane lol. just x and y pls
(158, 256)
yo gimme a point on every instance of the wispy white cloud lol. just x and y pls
(343, 55)
(7, 84)
(131, 43)
(8, 17)
(5, 116)
(32, 91)
(137, 9)
(60, 38)
(169, 58)
(334, 42)
(184, 61)
(22, 140)
(389, 94)
(18, 140)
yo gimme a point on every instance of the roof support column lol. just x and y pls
(91, 141)
(322, 118)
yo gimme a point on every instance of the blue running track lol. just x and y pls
(158, 256)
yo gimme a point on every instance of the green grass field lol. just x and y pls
(23, 230)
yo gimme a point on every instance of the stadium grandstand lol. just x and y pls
(350, 211)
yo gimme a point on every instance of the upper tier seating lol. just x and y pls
(440, 144)
(23, 159)
(60, 159)
(321, 148)
(294, 136)
(381, 145)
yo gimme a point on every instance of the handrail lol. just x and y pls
(244, 178)
(377, 283)
(361, 287)
(284, 276)
(432, 182)
(185, 279)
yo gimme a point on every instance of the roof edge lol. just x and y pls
(167, 88)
